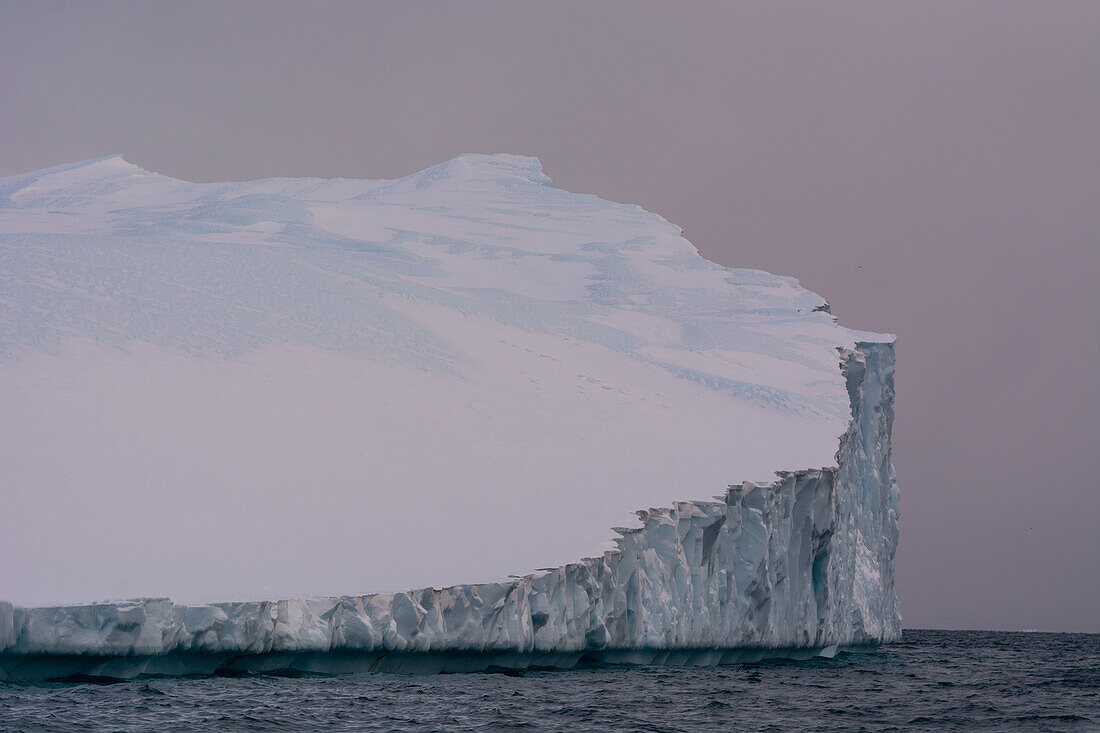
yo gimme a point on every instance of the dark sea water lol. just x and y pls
(932, 680)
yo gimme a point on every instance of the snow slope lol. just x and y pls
(370, 386)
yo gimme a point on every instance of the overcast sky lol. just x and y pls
(932, 169)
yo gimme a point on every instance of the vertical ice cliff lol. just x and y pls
(431, 382)
(800, 566)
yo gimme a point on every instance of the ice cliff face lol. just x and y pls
(532, 361)
(800, 566)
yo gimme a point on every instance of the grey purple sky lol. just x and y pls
(932, 169)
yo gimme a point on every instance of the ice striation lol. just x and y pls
(484, 255)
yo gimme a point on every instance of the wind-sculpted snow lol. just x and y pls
(301, 387)
(90, 251)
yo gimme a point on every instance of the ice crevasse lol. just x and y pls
(579, 348)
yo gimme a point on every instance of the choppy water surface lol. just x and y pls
(934, 680)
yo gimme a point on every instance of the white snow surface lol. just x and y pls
(302, 387)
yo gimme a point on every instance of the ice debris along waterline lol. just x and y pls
(468, 356)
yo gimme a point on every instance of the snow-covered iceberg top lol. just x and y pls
(309, 387)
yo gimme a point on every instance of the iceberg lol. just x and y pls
(459, 382)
